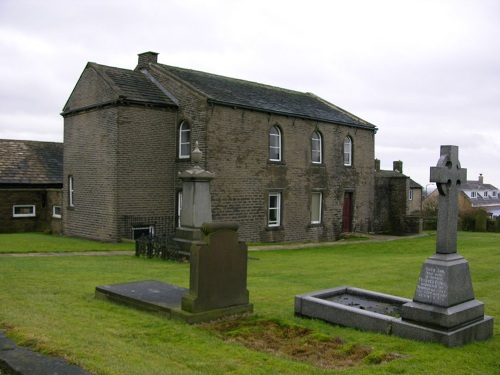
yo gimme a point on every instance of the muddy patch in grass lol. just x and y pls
(296, 342)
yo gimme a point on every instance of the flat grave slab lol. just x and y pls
(149, 295)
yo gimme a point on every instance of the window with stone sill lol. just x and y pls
(316, 206)
(71, 191)
(275, 149)
(56, 212)
(316, 148)
(274, 210)
(348, 151)
(184, 140)
(27, 210)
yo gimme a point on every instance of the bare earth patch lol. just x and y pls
(296, 342)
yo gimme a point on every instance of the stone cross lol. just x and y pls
(448, 176)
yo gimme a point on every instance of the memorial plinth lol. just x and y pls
(444, 308)
(196, 204)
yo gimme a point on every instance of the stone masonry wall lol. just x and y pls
(146, 165)
(391, 195)
(239, 155)
(43, 200)
(90, 156)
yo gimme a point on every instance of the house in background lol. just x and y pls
(397, 201)
(477, 194)
(31, 181)
(289, 166)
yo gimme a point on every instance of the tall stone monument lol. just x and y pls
(444, 298)
(443, 308)
(218, 263)
(196, 203)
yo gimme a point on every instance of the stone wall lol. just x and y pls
(391, 197)
(238, 153)
(42, 198)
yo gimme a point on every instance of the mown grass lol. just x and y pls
(48, 303)
(46, 243)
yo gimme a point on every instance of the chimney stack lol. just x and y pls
(147, 58)
(397, 166)
(377, 165)
(481, 178)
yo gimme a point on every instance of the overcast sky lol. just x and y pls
(425, 72)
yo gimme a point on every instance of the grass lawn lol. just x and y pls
(48, 303)
(43, 243)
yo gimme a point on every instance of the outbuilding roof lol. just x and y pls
(30, 163)
(256, 96)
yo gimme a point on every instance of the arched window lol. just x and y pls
(184, 140)
(348, 151)
(275, 144)
(316, 147)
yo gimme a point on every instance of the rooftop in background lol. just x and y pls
(30, 163)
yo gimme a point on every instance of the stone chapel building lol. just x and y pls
(289, 166)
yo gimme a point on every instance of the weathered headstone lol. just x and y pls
(444, 297)
(218, 276)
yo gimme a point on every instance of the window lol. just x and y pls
(274, 210)
(275, 144)
(316, 147)
(179, 208)
(348, 151)
(56, 212)
(485, 194)
(410, 195)
(316, 201)
(473, 194)
(494, 193)
(71, 191)
(23, 211)
(184, 140)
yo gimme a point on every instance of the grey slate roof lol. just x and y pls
(130, 86)
(414, 185)
(30, 163)
(384, 173)
(251, 95)
(476, 185)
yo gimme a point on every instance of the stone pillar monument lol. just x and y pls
(444, 299)
(196, 203)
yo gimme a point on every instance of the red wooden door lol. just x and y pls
(347, 213)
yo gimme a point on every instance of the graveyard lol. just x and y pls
(228, 310)
(48, 304)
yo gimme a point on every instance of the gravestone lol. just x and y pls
(218, 276)
(444, 298)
